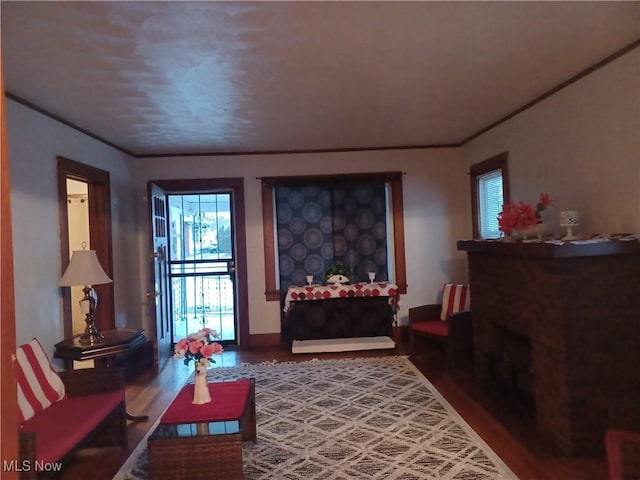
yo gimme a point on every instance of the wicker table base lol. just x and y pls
(205, 450)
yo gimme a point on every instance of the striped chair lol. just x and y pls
(448, 323)
(62, 412)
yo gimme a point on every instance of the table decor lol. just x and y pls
(569, 219)
(522, 219)
(200, 348)
(338, 274)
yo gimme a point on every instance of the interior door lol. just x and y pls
(159, 292)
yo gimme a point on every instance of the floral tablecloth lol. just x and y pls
(322, 292)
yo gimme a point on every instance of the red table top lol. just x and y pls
(228, 401)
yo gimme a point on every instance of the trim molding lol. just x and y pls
(557, 88)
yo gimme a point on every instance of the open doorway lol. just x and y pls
(96, 182)
(202, 264)
(79, 239)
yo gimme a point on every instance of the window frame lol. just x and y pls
(272, 293)
(495, 163)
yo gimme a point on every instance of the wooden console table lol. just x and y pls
(115, 342)
(339, 311)
(557, 323)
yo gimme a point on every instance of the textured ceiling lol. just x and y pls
(215, 77)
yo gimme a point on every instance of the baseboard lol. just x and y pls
(264, 340)
(342, 344)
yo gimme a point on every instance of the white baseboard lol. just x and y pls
(341, 344)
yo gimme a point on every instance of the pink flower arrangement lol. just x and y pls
(519, 216)
(198, 347)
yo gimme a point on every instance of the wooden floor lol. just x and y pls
(529, 455)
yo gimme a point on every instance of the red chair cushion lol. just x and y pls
(455, 298)
(432, 328)
(65, 424)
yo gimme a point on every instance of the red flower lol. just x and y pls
(545, 201)
(516, 216)
(195, 346)
(199, 347)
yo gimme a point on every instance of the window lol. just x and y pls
(490, 203)
(395, 224)
(489, 191)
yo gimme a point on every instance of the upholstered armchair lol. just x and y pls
(448, 323)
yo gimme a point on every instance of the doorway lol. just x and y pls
(202, 264)
(204, 275)
(98, 195)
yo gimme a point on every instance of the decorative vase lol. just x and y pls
(532, 231)
(201, 393)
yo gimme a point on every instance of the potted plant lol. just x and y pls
(338, 273)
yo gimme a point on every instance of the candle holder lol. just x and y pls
(569, 219)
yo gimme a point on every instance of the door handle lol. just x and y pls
(159, 254)
(154, 294)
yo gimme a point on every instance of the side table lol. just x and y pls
(115, 342)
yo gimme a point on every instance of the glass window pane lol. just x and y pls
(490, 203)
(203, 301)
(201, 262)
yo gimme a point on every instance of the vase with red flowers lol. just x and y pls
(522, 219)
(199, 347)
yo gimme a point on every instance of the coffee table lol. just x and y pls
(204, 441)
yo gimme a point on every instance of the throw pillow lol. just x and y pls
(39, 386)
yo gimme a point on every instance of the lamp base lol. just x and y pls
(91, 334)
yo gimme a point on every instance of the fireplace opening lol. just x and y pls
(510, 372)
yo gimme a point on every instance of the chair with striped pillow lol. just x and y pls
(448, 323)
(62, 412)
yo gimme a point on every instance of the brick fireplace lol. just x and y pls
(558, 326)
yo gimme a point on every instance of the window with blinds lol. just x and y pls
(489, 191)
(490, 201)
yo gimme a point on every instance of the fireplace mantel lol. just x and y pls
(578, 304)
(557, 249)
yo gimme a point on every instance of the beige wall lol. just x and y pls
(582, 146)
(435, 200)
(34, 142)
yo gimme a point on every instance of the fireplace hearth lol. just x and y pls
(510, 373)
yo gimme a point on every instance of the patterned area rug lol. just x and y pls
(373, 418)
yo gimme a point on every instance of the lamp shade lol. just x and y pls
(84, 269)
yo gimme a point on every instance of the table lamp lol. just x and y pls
(85, 269)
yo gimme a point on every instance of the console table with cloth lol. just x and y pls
(213, 431)
(358, 311)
